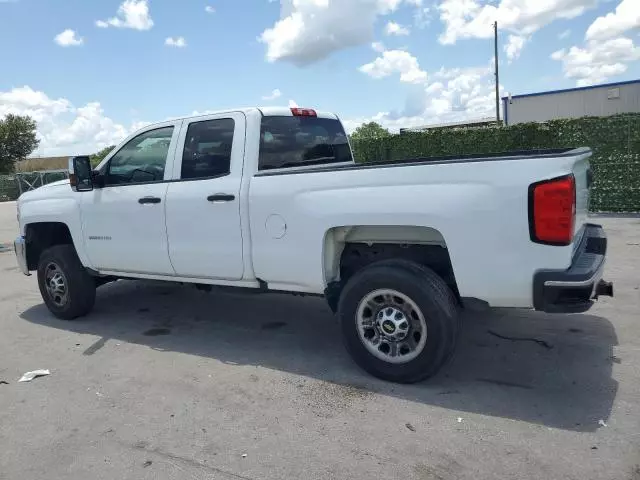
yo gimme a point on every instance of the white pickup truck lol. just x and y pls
(271, 200)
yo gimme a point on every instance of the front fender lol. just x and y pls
(59, 210)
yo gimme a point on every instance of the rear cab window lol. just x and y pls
(297, 141)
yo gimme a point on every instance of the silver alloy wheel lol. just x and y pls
(56, 284)
(391, 326)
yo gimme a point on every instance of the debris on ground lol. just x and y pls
(521, 339)
(2, 382)
(594, 448)
(27, 377)
(602, 423)
(244, 455)
(410, 427)
(147, 463)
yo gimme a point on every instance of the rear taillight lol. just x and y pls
(552, 210)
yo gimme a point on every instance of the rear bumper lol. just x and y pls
(20, 247)
(575, 289)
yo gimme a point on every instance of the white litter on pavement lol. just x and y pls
(27, 377)
(602, 423)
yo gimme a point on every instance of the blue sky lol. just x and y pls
(91, 72)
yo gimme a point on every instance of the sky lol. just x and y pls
(90, 72)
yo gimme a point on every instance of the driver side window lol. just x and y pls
(142, 159)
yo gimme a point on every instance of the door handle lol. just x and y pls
(221, 197)
(145, 200)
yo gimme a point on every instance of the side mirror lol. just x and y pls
(80, 175)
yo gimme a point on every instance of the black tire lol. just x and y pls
(80, 287)
(432, 296)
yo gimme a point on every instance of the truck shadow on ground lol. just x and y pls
(543, 369)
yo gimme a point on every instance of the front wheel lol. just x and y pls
(399, 321)
(66, 288)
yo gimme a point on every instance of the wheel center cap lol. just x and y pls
(392, 323)
(388, 326)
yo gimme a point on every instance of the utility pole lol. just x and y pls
(495, 29)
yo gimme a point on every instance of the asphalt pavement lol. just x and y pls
(166, 382)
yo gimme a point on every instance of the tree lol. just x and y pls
(370, 131)
(17, 140)
(96, 158)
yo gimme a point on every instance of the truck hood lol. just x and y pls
(53, 189)
(57, 183)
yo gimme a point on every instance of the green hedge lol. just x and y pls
(615, 142)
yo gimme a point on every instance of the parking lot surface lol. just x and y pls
(166, 382)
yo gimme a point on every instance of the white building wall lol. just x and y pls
(599, 102)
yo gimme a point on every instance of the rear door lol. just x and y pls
(203, 201)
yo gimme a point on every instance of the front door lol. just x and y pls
(124, 222)
(203, 206)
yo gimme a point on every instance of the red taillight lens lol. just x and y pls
(303, 112)
(552, 210)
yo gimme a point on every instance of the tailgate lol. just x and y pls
(584, 178)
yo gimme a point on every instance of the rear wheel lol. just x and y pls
(399, 321)
(66, 288)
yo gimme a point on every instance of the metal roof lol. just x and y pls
(577, 89)
(463, 123)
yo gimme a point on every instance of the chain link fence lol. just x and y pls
(12, 186)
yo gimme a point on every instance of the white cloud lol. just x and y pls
(514, 46)
(209, 9)
(625, 17)
(378, 47)
(393, 28)
(597, 61)
(276, 93)
(68, 38)
(396, 61)
(455, 95)
(564, 34)
(292, 104)
(310, 30)
(131, 14)
(63, 129)
(474, 18)
(178, 42)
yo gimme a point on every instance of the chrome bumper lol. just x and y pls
(20, 247)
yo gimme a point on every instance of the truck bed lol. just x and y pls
(439, 160)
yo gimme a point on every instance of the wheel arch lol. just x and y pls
(348, 249)
(42, 235)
